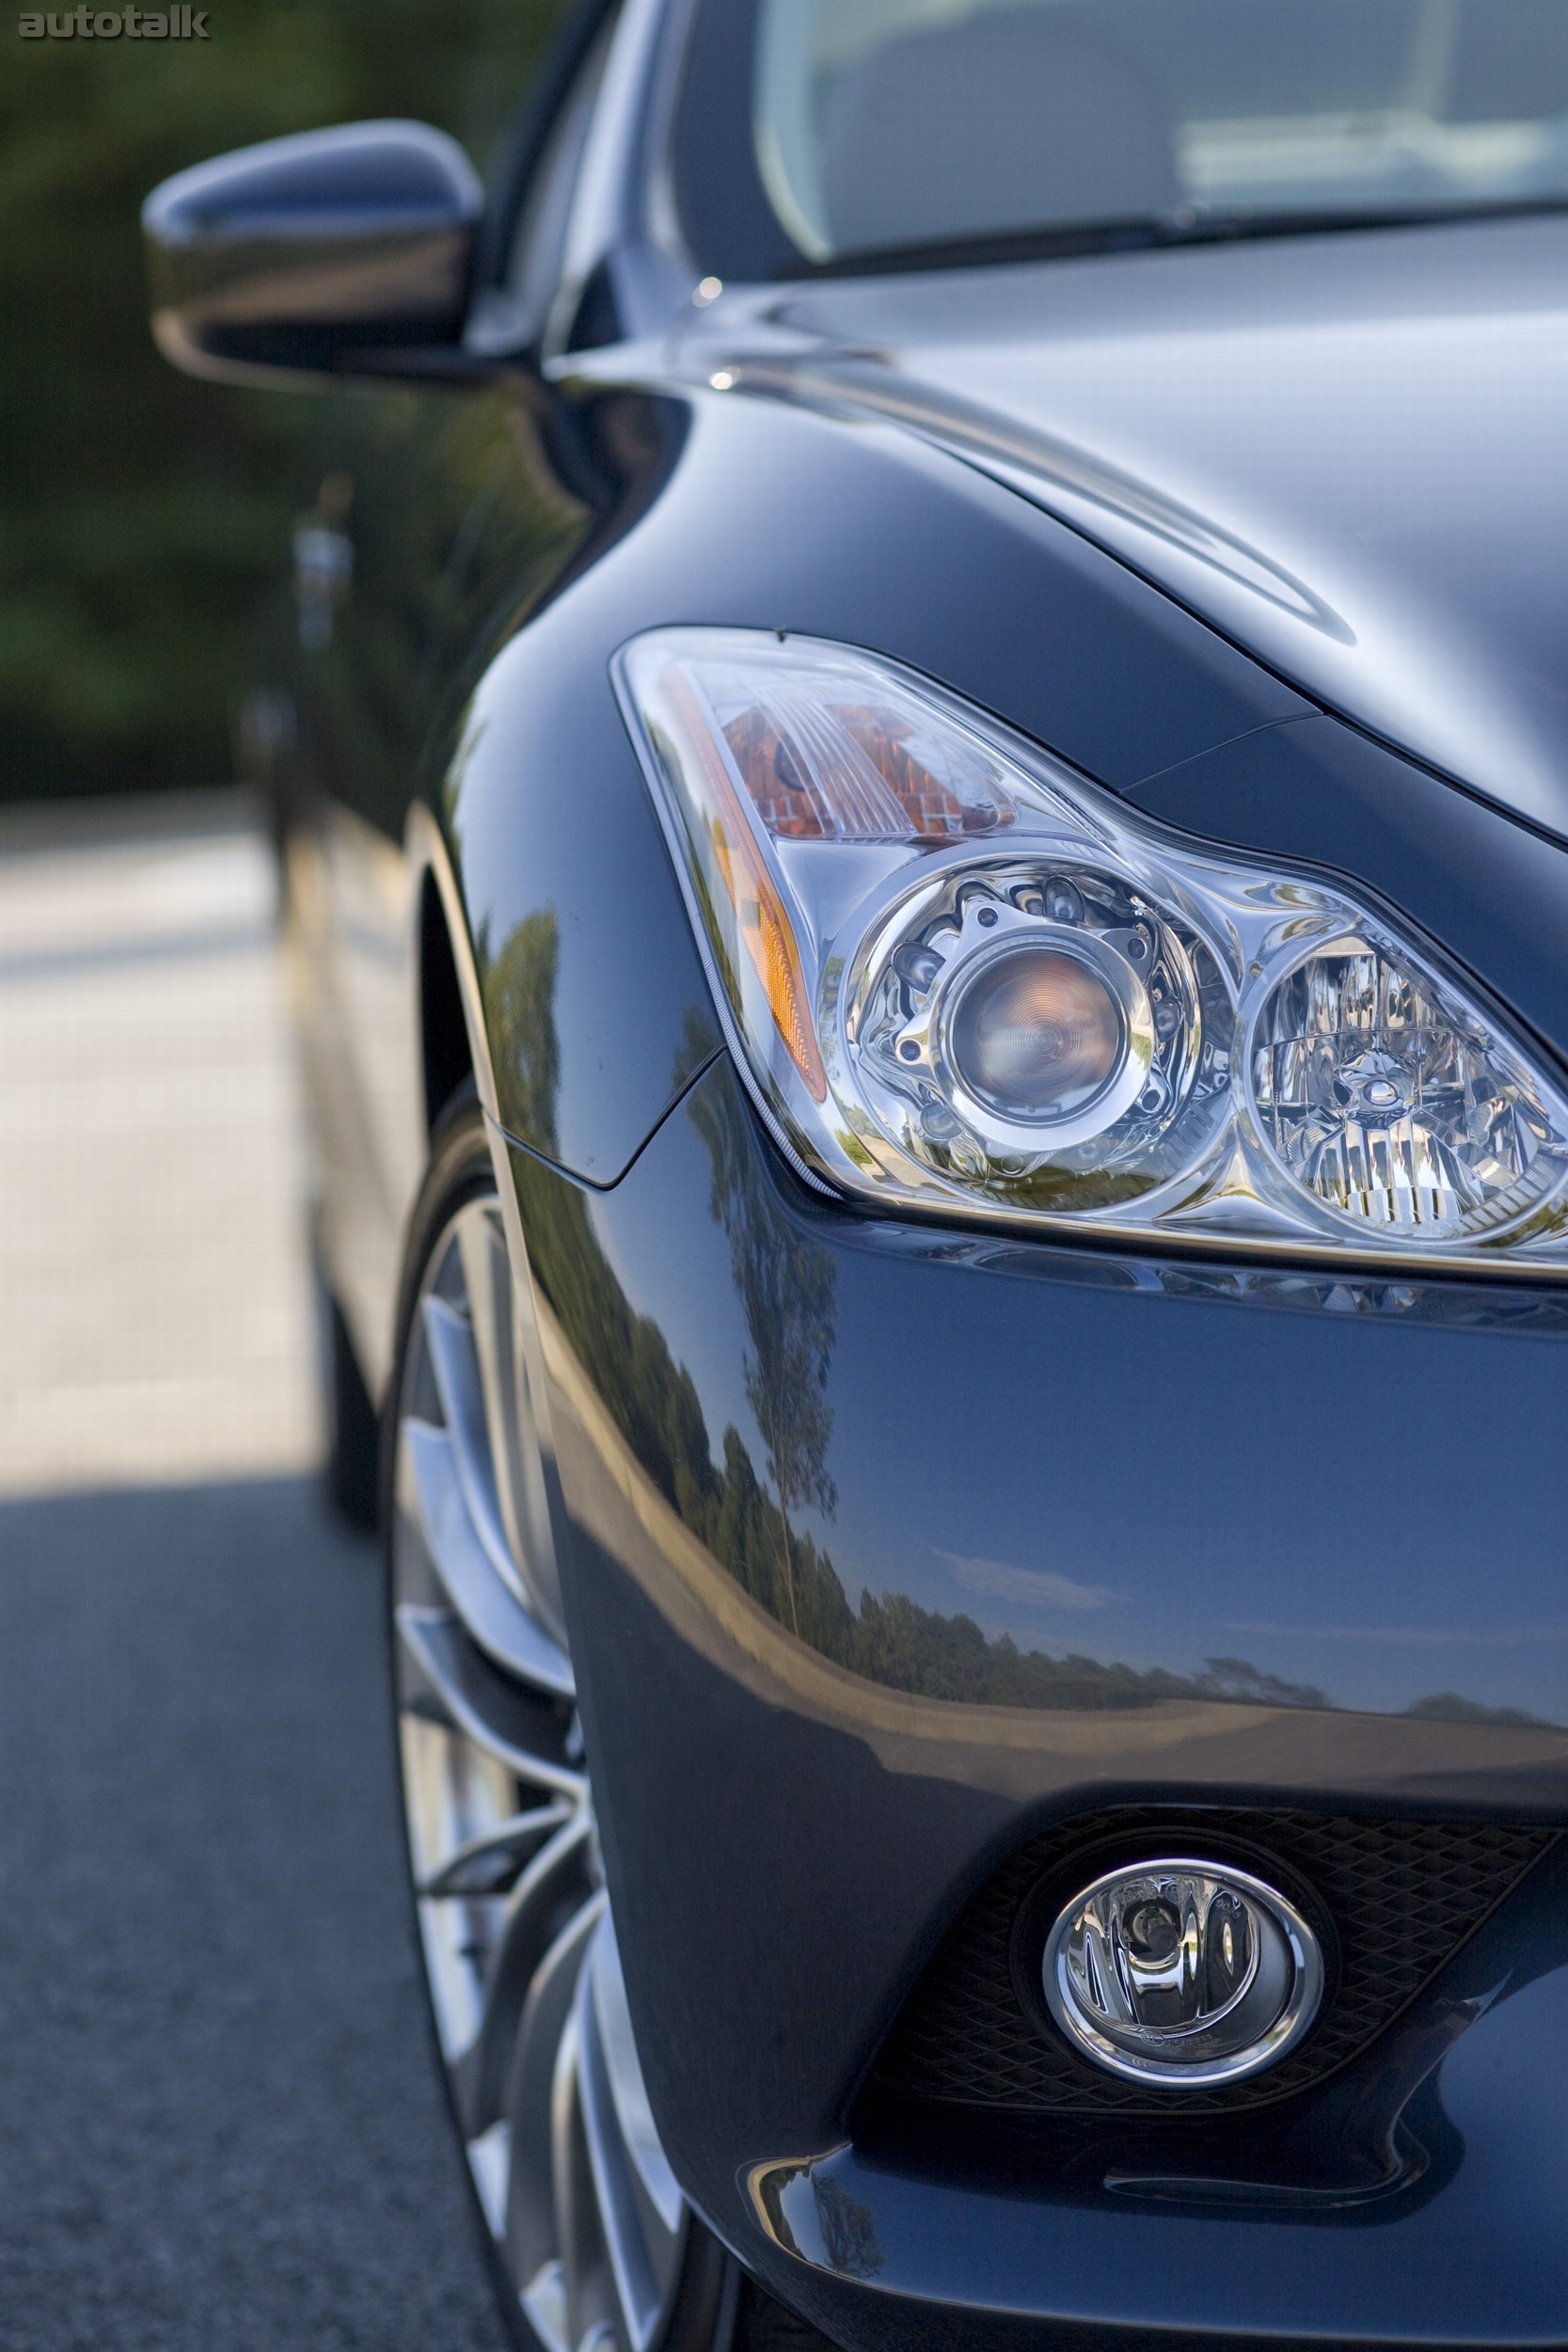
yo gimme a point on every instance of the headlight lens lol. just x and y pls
(1393, 1108)
(960, 975)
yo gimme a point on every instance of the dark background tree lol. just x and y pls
(145, 518)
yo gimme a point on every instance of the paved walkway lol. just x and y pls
(223, 2129)
(156, 1319)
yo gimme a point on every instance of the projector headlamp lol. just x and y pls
(960, 976)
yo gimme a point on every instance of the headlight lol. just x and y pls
(961, 977)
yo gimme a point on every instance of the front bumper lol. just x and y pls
(1064, 1531)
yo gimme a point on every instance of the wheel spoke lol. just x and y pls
(531, 2238)
(489, 1863)
(515, 1453)
(533, 1908)
(544, 2300)
(454, 1792)
(454, 1363)
(524, 1969)
(490, 2161)
(623, 2073)
(497, 1716)
(489, 1608)
(588, 2290)
(643, 2252)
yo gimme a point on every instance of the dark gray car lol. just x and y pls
(922, 779)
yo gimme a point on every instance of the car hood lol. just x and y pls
(1347, 452)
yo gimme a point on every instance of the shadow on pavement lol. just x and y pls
(222, 2120)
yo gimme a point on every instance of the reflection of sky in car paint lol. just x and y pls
(1089, 1500)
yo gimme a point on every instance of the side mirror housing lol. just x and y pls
(307, 255)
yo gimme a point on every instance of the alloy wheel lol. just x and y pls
(593, 2235)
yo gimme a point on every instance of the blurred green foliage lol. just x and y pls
(144, 518)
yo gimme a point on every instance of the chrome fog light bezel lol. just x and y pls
(1273, 2010)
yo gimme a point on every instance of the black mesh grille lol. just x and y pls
(1402, 1897)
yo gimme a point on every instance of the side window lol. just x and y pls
(512, 316)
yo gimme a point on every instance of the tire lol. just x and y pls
(354, 1436)
(595, 2245)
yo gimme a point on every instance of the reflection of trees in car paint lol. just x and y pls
(453, 525)
(849, 2230)
(786, 1283)
(519, 1006)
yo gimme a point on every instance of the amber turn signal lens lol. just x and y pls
(759, 913)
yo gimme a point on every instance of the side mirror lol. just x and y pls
(306, 255)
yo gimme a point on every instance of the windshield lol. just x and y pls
(876, 125)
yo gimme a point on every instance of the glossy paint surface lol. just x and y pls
(1493, 894)
(887, 1546)
(1467, 2247)
(1231, 1402)
(447, 522)
(1059, 1529)
(1062, 1527)
(1345, 450)
(749, 514)
(303, 250)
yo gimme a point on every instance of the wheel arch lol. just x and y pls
(452, 1045)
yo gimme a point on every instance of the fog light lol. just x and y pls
(1182, 1973)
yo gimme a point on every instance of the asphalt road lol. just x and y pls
(220, 2119)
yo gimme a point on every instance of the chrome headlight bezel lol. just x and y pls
(814, 891)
